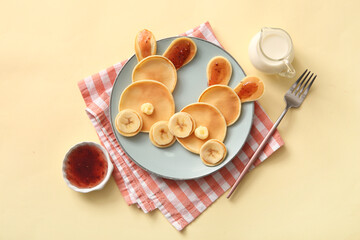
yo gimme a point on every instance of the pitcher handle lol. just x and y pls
(289, 71)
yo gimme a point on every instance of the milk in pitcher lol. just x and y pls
(271, 51)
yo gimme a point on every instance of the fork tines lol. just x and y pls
(301, 89)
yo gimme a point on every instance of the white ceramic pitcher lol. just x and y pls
(271, 51)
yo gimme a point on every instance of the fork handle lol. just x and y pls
(257, 152)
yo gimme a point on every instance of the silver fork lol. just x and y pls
(294, 97)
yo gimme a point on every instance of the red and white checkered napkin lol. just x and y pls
(180, 201)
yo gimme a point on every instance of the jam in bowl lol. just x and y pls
(87, 167)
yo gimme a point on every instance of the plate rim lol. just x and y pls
(158, 174)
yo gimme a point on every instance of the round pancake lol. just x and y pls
(206, 115)
(145, 44)
(156, 68)
(225, 99)
(148, 91)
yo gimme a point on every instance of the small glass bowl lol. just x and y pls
(103, 182)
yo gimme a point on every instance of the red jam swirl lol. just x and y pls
(179, 53)
(86, 166)
(218, 72)
(247, 90)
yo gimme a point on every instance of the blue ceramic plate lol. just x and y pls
(176, 162)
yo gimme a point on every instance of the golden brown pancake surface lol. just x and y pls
(206, 115)
(225, 99)
(148, 91)
(157, 68)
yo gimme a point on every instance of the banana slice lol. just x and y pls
(145, 44)
(201, 132)
(128, 122)
(181, 124)
(213, 152)
(160, 135)
(147, 108)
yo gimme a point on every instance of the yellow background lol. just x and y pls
(309, 189)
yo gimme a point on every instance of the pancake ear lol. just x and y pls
(181, 51)
(218, 71)
(250, 89)
(145, 44)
